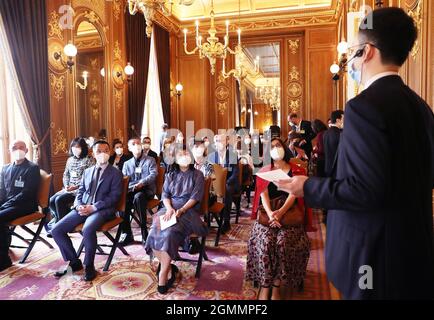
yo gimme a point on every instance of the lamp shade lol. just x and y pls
(179, 87)
(334, 68)
(70, 50)
(343, 47)
(102, 72)
(129, 70)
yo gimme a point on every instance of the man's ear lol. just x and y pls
(369, 52)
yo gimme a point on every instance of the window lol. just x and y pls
(11, 103)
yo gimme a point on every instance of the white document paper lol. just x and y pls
(274, 175)
(166, 224)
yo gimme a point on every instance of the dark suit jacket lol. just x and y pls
(331, 142)
(308, 135)
(380, 204)
(153, 154)
(12, 196)
(108, 192)
(231, 162)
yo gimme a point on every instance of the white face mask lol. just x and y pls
(180, 139)
(102, 158)
(76, 152)
(119, 151)
(183, 161)
(198, 152)
(136, 149)
(146, 146)
(247, 141)
(277, 153)
(18, 155)
(220, 146)
(255, 141)
(206, 143)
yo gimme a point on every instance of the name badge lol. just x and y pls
(74, 174)
(302, 131)
(19, 183)
(139, 170)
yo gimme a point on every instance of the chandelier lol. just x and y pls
(241, 71)
(149, 8)
(212, 48)
(270, 95)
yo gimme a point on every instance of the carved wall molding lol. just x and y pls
(98, 6)
(293, 74)
(222, 92)
(118, 99)
(60, 144)
(117, 51)
(57, 84)
(117, 5)
(416, 13)
(293, 46)
(54, 27)
(222, 107)
(294, 106)
(55, 45)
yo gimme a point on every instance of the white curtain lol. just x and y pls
(153, 118)
(12, 103)
(252, 116)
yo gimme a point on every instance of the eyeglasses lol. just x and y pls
(353, 50)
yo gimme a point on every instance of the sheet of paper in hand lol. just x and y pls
(274, 175)
(166, 224)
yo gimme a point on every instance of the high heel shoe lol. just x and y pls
(172, 279)
(163, 289)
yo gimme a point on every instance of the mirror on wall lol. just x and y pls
(90, 75)
(259, 95)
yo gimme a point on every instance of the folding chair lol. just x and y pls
(215, 211)
(106, 227)
(203, 209)
(41, 216)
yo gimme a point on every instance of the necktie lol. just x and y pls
(93, 186)
(294, 128)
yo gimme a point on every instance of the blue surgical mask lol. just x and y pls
(356, 75)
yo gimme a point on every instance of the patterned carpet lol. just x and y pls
(133, 277)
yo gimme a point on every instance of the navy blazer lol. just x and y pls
(380, 204)
(231, 162)
(331, 142)
(108, 191)
(147, 177)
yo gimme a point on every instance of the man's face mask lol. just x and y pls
(354, 71)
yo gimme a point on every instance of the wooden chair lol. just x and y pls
(219, 188)
(204, 208)
(247, 184)
(41, 216)
(106, 227)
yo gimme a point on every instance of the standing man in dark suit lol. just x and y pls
(331, 140)
(380, 223)
(19, 185)
(95, 204)
(227, 158)
(142, 171)
(304, 128)
(146, 143)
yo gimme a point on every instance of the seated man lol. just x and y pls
(19, 184)
(227, 159)
(147, 149)
(142, 171)
(95, 204)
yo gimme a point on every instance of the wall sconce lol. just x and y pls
(178, 90)
(102, 72)
(70, 51)
(84, 85)
(341, 65)
(128, 70)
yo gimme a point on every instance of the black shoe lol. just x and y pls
(163, 289)
(90, 274)
(126, 239)
(195, 246)
(5, 264)
(172, 279)
(158, 270)
(226, 227)
(76, 266)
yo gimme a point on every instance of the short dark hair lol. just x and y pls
(393, 32)
(115, 142)
(146, 138)
(318, 126)
(293, 115)
(336, 115)
(83, 145)
(134, 138)
(288, 153)
(101, 142)
(175, 166)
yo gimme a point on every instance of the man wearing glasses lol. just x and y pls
(380, 224)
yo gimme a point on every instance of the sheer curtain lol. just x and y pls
(153, 118)
(12, 102)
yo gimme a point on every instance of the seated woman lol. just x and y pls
(79, 160)
(118, 159)
(201, 162)
(167, 155)
(182, 193)
(277, 255)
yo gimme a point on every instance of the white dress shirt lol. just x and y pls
(379, 76)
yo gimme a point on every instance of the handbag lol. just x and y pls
(293, 217)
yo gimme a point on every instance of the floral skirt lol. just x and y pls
(277, 254)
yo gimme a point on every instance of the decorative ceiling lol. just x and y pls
(231, 9)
